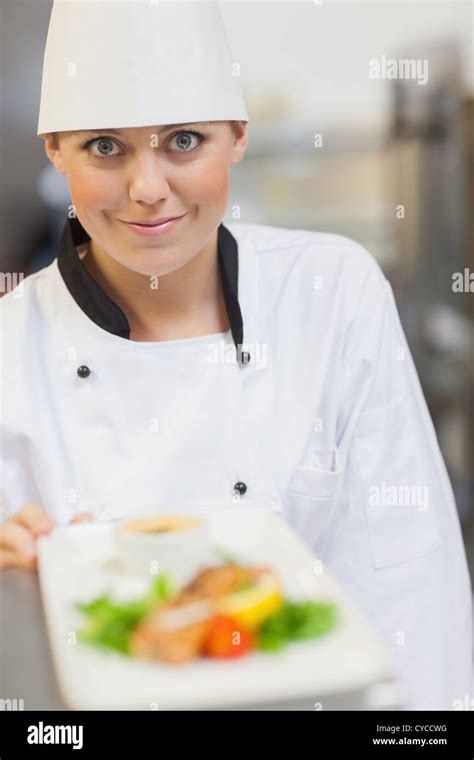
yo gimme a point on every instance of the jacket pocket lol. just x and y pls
(397, 484)
(310, 496)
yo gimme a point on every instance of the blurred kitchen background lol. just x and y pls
(394, 170)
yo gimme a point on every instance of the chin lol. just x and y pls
(153, 265)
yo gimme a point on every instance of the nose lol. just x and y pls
(149, 182)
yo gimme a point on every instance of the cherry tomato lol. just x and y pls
(227, 638)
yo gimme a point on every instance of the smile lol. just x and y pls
(153, 230)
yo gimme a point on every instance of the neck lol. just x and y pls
(186, 303)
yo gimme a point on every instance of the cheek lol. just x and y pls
(206, 181)
(93, 189)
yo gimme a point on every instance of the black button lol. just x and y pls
(83, 371)
(245, 357)
(240, 488)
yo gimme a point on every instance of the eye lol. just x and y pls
(187, 141)
(105, 146)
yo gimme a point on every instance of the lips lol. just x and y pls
(153, 222)
(147, 229)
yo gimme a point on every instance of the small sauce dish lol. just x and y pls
(174, 544)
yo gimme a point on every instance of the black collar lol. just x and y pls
(99, 307)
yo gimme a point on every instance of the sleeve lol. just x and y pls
(18, 481)
(18, 485)
(395, 537)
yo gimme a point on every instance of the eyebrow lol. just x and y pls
(162, 129)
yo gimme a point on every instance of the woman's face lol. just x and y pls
(143, 174)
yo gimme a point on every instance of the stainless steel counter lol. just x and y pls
(26, 668)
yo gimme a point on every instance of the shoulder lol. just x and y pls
(301, 254)
(27, 289)
(262, 238)
(27, 306)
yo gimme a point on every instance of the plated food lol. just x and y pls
(225, 612)
(313, 646)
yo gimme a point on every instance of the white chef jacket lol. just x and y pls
(319, 415)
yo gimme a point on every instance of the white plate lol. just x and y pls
(77, 563)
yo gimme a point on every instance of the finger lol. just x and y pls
(17, 547)
(12, 559)
(35, 519)
(15, 537)
(81, 517)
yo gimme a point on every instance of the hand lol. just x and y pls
(18, 536)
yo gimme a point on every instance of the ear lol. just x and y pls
(240, 141)
(53, 151)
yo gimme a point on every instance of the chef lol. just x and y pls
(165, 358)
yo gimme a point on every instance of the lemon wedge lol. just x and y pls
(252, 606)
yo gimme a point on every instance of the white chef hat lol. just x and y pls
(134, 63)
